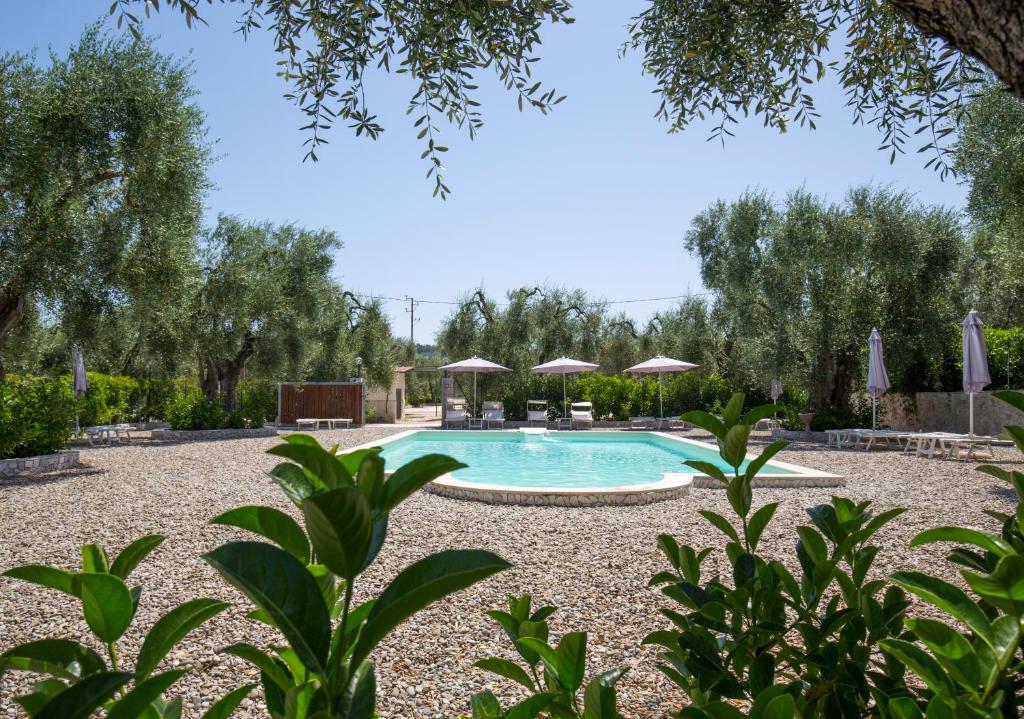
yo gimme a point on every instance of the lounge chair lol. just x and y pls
(493, 414)
(643, 423)
(456, 414)
(672, 423)
(537, 411)
(581, 415)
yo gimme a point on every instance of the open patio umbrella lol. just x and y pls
(563, 366)
(878, 378)
(661, 364)
(475, 365)
(79, 382)
(976, 376)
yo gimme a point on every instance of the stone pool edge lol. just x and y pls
(672, 485)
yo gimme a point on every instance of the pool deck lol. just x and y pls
(672, 485)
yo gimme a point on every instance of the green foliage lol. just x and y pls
(188, 409)
(110, 399)
(327, 51)
(799, 285)
(553, 674)
(1005, 356)
(305, 576)
(725, 61)
(75, 681)
(36, 415)
(102, 173)
(257, 401)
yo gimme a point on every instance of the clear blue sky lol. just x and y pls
(596, 195)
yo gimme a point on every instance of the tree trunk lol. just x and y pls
(209, 378)
(990, 30)
(12, 310)
(232, 370)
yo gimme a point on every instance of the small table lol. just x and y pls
(475, 423)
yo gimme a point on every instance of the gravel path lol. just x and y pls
(593, 563)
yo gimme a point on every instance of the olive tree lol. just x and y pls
(102, 172)
(798, 287)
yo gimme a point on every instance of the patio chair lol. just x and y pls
(642, 423)
(537, 411)
(493, 414)
(456, 414)
(581, 415)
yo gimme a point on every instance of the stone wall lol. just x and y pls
(947, 412)
(181, 435)
(38, 465)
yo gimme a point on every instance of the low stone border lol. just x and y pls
(782, 481)
(672, 486)
(193, 435)
(798, 435)
(38, 465)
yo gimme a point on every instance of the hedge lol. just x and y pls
(36, 416)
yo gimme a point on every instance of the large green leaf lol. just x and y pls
(107, 604)
(758, 522)
(413, 475)
(94, 559)
(339, 525)
(507, 669)
(171, 628)
(921, 663)
(706, 421)
(1004, 586)
(81, 699)
(316, 460)
(733, 409)
(734, 448)
(271, 523)
(226, 705)
(270, 667)
(707, 468)
(360, 697)
(947, 597)
(755, 415)
(485, 706)
(599, 697)
(280, 585)
(781, 707)
(421, 584)
(61, 658)
(983, 540)
(950, 647)
(44, 576)
(143, 694)
(762, 459)
(721, 523)
(295, 483)
(572, 659)
(134, 553)
(531, 707)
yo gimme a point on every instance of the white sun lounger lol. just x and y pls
(493, 414)
(537, 411)
(581, 414)
(644, 422)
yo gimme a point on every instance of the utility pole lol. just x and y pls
(411, 309)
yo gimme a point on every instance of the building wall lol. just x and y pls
(947, 412)
(385, 403)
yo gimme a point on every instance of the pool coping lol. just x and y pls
(672, 485)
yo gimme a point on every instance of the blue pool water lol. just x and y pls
(556, 459)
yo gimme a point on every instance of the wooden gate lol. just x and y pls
(319, 400)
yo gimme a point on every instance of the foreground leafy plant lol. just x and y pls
(306, 578)
(78, 681)
(785, 645)
(554, 674)
(976, 673)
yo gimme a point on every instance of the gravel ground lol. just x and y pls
(593, 563)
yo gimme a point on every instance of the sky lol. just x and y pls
(597, 195)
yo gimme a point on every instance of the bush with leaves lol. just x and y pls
(303, 582)
(554, 674)
(36, 416)
(75, 680)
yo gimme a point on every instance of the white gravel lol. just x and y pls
(593, 563)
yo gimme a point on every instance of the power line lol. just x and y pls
(595, 303)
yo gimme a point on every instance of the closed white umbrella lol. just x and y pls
(564, 366)
(878, 378)
(661, 364)
(976, 376)
(79, 381)
(776, 391)
(475, 365)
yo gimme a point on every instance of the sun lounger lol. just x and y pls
(107, 433)
(339, 423)
(456, 415)
(647, 423)
(537, 411)
(309, 422)
(666, 423)
(493, 414)
(581, 415)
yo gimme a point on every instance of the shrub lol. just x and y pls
(188, 409)
(36, 416)
(1005, 356)
(77, 680)
(110, 399)
(257, 402)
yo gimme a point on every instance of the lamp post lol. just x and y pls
(362, 390)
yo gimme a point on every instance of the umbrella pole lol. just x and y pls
(971, 415)
(873, 413)
(565, 401)
(661, 399)
(474, 394)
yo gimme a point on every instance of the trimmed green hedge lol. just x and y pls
(187, 408)
(36, 416)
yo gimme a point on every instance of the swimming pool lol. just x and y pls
(559, 460)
